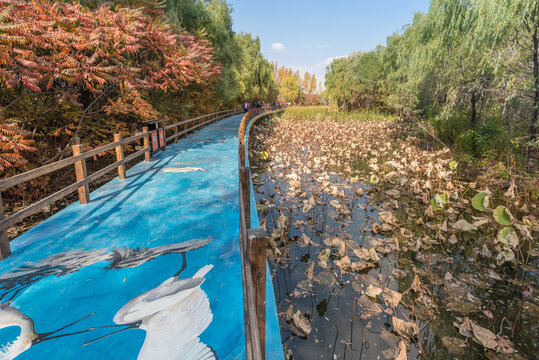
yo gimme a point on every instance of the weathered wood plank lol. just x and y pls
(32, 209)
(5, 249)
(44, 170)
(81, 174)
(257, 245)
(146, 143)
(120, 156)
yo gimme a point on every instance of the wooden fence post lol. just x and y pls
(120, 156)
(146, 143)
(246, 188)
(176, 134)
(5, 249)
(257, 258)
(80, 172)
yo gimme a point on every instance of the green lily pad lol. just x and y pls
(480, 201)
(453, 165)
(439, 200)
(502, 215)
(508, 236)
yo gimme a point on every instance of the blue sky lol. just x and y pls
(308, 34)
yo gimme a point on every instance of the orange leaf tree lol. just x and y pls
(69, 71)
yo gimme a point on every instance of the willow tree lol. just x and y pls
(510, 27)
(253, 72)
(342, 87)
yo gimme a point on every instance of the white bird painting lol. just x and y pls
(174, 315)
(9, 316)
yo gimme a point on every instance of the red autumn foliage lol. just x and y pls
(107, 58)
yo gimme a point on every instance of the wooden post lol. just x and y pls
(120, 156)
(5, 249)
(146, 143)
(257, 258)
(80, 172)
(241, 154)
(176, 133)
(246, 188)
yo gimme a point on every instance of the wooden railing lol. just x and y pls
(253, 253)
(83, 179)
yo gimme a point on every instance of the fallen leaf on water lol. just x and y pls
(392, 298)
(333, 241)
(308, 204)
(373, 291)
(310, 271)
(368, 307)
(388, 217)
(403, 353)
(405, 328)
(323, 258)
(298, 323)
(484, 336)
(305, 240)
(454, 345)
(303, 288)
(463, 225)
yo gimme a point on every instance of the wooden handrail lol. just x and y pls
(83, 179)
(47, 169)
(182, 122)
(253, 254)
(35, 207)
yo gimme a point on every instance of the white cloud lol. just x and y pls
(324, 46)
(327, 61)
(318, 69)
(278, 47)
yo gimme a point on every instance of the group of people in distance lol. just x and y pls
(257, 105)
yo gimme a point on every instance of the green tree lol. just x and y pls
(253, 72)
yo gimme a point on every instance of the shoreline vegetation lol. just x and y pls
(369, 221)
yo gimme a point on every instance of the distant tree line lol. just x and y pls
(469, 67)
(294, 87)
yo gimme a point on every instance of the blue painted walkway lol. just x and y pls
(110, 266)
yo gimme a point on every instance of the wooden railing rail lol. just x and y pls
(78, 160)
(253, 253)
(213, 117)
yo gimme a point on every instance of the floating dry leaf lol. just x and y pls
(298, 323)
(405, 328)
(310, 271)
(454, 345)
(463, 225)
(323, 258)
(368, 307)
(373, 291)
(484, 336)
(392, 298)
